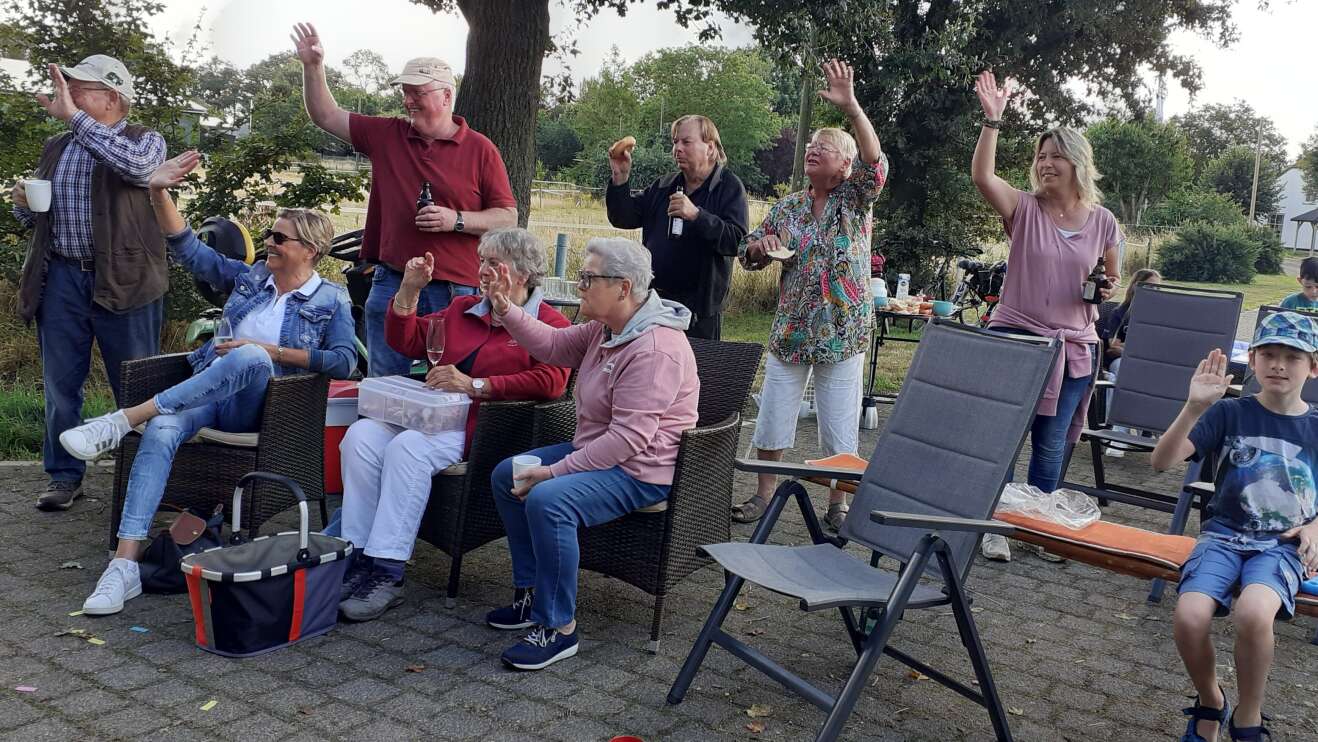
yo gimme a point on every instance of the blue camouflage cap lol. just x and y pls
(1287, 328)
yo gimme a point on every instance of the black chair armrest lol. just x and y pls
(144, 378)
(798, 470)
(941, 523)
(554, 422)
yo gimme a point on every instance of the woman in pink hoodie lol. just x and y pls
(636, 393)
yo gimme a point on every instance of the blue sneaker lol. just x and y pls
(540, 649)
(515, 616)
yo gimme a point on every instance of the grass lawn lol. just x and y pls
(1264, 289)
(23, 421)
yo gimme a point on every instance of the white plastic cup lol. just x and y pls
(38, 195)
(522, 463)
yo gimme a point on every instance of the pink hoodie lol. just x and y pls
(636, 393)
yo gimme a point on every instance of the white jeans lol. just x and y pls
(838, 390)
(386, 483)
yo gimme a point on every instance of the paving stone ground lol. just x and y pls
(1077, 653)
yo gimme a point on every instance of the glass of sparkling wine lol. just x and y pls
(435, 341)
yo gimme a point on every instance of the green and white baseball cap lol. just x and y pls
(108, 71)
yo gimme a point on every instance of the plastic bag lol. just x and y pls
(1067, 507)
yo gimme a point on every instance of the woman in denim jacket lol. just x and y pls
(285, 318)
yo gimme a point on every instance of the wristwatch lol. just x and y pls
(458, 224)
(479, 386)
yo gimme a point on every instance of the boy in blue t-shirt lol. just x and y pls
(1306, 299)
(1261, 536)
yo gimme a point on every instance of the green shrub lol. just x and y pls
(1209, 253)
(1270, 250)
(1194, 204)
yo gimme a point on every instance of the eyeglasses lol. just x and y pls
(822, 148)
(417, 94)
(279, 237)
(584, 279)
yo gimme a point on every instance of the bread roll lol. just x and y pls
(622, 147)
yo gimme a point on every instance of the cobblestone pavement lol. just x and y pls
(1077, 653)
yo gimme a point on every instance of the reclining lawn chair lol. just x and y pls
(928, 494)
(1171, 330)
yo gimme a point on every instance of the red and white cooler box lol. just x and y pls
(340, 412)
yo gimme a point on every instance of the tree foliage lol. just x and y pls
(1194, 204)
(1212, 129)
(1232, 174)
(1309, 167)
(1141, 161)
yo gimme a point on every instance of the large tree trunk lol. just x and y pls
(500, 93)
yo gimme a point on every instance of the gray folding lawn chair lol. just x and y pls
(933, 482)
(1310, 391)
(1171, 329)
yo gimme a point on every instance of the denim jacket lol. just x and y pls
(320, 324)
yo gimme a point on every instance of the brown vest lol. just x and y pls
(129, 251)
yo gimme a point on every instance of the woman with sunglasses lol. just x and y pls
(636, 392)
(286, 319)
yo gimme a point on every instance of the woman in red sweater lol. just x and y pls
(386, 468)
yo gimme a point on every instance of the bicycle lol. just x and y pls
(979, 290)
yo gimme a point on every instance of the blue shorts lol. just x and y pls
(1219, 570)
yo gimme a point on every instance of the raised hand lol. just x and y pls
(418, 272)
(1210, 380)
(992, 98)
(60, 105)
(307, 44)
(172, 171)
(499, 290)
(840, 90)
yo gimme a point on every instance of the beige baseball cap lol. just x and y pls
(108, 71)
(423, 70)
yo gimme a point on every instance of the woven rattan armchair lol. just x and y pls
(460, 515)
(290, 442)
(656, 547)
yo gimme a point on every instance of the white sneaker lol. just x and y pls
(1114, 452)
(119, 582)
(96, 436)
(995, 547)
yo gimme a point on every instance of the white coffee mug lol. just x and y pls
(38, 195)
(522, 463)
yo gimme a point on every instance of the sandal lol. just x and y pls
(750, 511)
(1248, 734)
(1199, 713)
(836, 516)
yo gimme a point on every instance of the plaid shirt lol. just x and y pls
(71, 185)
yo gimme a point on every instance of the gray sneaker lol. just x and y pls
(376, 594)
(59, 495)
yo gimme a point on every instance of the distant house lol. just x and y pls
(18, 70)
(1292, 204)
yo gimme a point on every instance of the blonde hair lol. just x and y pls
(1072, 145)
(845, 143)
(708, 134)
(312, 227)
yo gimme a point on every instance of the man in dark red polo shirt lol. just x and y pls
(468, 183)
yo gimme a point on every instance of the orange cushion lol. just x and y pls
(1160, 548)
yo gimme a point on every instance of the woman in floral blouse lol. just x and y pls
(824, 304)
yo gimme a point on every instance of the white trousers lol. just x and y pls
(838, 390)
(386, 483)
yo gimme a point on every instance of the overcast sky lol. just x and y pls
(1271, 66)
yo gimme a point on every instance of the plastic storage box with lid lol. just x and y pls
(411, 404)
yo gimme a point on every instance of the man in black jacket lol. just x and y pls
(692, 259)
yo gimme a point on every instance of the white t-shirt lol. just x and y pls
(264, 323)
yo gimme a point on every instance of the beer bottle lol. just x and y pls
(425, 199)
(675, 224)
(1097, 280)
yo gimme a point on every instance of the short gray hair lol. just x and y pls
(521, 250)
(623, 258)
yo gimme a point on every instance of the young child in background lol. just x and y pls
(1306, 299)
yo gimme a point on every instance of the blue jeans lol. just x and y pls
(542, 530)
(1048, 433)
(381, 359)
(227, 395)
(67, 322)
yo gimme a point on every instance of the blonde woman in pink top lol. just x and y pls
(1058, 233)
(636, 392)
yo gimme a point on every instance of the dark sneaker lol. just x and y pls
(376, 594)
(836, 516)
(540, 649)
(515, 616)
(358, 570)
(59, 495)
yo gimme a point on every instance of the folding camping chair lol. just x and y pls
(1171, 329)
(939, 478)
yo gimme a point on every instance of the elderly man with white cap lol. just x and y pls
(468, 186)
(95, 269)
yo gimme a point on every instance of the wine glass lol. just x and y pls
(223, 331)
(435, 341)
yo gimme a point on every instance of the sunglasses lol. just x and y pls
(584, 279)
(279, 237)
